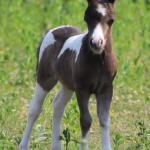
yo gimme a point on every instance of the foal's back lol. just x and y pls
(48, 52)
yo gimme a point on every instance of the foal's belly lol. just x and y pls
(74, 77)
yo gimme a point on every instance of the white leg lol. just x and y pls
(103, 106)
(105, 137)
(84, 143)
(34, 111)
(59, 104)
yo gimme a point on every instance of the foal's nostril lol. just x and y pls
(101, 42)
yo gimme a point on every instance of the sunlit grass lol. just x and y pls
(22, 24)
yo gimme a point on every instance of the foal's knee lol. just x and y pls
(34, 109)
(104, 121)
(58, 107)
(85, 121)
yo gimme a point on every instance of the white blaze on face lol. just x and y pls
(101, 9)
(98, 34)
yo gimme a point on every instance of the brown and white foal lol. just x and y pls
(84, 64)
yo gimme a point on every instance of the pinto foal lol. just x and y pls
(84, 64)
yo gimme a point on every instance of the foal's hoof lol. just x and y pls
(23, 147)
(56, 147)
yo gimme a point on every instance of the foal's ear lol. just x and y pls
(92, 1)
(106, 1)
(89, 1)
(111, 1)
(101, 1)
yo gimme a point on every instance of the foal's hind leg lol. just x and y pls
(59, 104)
(34, 112)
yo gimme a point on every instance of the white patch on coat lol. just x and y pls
(105, 138)
(100, 9)
(73, 43)
(49, 39)
(98, 34)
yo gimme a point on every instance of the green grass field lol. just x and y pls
(22, 23)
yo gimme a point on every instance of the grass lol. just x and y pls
(22, 24)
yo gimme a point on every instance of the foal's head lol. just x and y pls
(99, 17)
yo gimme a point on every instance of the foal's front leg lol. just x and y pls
(85, 118)
(59, 103)
(103, 106)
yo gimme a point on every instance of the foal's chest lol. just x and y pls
(95, 74)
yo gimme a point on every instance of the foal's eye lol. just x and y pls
(110, 22)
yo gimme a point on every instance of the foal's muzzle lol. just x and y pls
(97, 46)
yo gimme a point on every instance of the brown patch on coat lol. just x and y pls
(46, 72)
